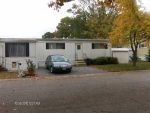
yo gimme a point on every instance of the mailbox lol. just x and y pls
(19, 63)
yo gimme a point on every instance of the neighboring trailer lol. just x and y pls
(15, 51)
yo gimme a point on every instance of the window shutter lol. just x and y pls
(27, 49)
(63, 46)
(47, 45)
(92, 45)
(6, 50)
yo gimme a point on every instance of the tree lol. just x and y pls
(70, 27)
(91, 19)
(94, 18)
(63, 28)
(100, 18)
(79, 21)
(132, 26)
(48, 35)
(58, 3)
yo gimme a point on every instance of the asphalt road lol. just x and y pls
(101, 93)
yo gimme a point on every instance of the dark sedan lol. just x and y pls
(57, 63)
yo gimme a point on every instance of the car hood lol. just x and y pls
(61, 63)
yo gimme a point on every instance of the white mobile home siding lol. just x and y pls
(94, 53)
(70, 49)
(38, 51)
(7, 61)
(68, 52)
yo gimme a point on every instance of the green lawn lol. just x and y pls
(141, 65)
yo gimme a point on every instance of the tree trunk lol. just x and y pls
(134, 62)
(134, 57)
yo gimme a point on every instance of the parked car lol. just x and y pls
(57, 63)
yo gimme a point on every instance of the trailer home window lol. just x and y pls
(99, 46)
(55, 45)
(17, 49)
(142, 45)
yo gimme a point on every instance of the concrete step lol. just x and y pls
(80, 63)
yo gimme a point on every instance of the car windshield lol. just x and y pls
(58, 58)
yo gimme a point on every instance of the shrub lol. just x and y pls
(30, 65)
(147, 57)
(88, 61)
(93, 61)
(109, 60)
(101, 61)
(113, 60)
(132, 57)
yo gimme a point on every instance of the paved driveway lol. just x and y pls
(75, 71)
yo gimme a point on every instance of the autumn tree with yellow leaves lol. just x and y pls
(131, 27)
(57, 4)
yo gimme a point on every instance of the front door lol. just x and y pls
(79, 52)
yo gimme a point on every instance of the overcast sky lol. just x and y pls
(32, 18)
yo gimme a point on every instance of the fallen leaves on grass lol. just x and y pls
(8, 74)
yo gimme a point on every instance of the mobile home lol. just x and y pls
(14, 51)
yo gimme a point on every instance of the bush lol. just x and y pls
(93, 61)
(101, 61)
(112, 60)
(30, 65)
(132, 57)
(109, 60)
(147, 57)
(88, 61)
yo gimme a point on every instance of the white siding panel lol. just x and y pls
(32, 56)
(68, 52)
(94, 53)
(21, 60)
(32, 49)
